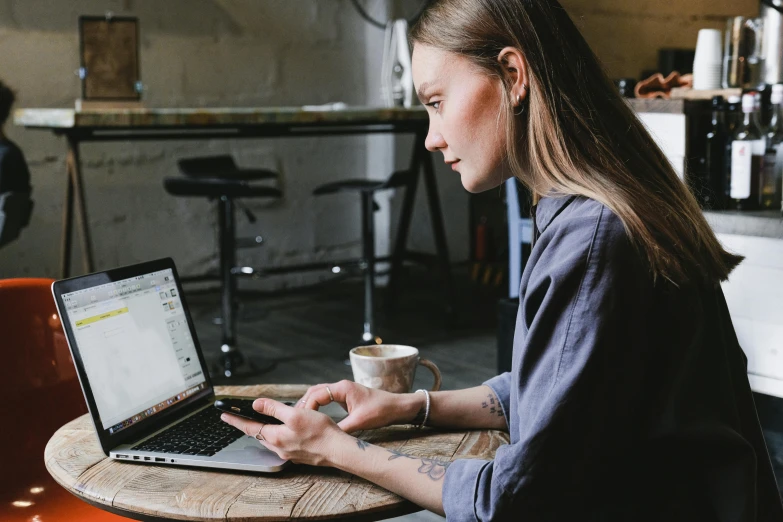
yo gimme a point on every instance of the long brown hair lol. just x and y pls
(578, 136)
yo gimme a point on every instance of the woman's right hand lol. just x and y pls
(367, 408)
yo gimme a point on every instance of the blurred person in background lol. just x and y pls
(15, 189)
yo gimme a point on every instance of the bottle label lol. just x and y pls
(741, 156)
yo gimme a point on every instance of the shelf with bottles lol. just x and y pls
(736, 160)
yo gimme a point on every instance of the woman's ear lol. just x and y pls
(514, 67)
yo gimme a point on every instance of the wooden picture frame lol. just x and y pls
(109, 53)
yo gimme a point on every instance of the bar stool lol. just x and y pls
(367, 189)
(218, 177)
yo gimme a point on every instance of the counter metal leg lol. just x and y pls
(439, 232)
(421, 159)
(401, 241)
(67, 225)
(74, 200)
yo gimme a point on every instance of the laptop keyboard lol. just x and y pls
(201, 434)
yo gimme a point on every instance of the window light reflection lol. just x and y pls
(21, 503)
(36, 490)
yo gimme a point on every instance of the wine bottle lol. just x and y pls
(758, 117)
(747, 156)
(769, 182)
(713, 193)
(733, 114)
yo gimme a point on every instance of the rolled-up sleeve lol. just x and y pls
(571, 383)
(501, 385)
(460, 487)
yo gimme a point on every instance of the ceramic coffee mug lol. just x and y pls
(389, 367)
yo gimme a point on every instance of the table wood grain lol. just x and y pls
(150, 492)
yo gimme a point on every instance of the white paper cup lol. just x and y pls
(708, 47)
(706, 76)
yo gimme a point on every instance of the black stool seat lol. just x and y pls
(218, 187)
(218, 178)
(398, 179)
(221, 167)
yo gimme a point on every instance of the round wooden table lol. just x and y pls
(149, 492)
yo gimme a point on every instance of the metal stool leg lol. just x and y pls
(368, 265)
(231, 359)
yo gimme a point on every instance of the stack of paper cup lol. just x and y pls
(708, 60)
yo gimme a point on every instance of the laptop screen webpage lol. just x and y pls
(136, 348)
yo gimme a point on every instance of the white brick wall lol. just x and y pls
(206, 53)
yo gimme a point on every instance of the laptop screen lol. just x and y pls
(136, 347)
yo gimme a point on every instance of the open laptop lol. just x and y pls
(143, 374)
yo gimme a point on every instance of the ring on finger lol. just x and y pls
(331, 397)
(258, 433)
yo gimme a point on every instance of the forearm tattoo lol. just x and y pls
(434, 469)
(493, 404)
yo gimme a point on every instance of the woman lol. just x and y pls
(628, 398)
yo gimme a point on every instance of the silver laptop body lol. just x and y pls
(244, 453)
(143, 373)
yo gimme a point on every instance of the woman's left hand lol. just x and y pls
(305, 437)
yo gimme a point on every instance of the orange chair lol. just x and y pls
(39, 392)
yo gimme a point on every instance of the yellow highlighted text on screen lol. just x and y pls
(96, 318)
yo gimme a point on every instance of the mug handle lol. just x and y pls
(435, 372)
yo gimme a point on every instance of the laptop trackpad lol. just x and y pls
(248, 450)
(334, 410)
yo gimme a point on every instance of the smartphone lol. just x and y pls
(244, 408)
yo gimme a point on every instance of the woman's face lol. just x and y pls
(466, 124)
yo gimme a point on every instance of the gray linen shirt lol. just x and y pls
(627, 400)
